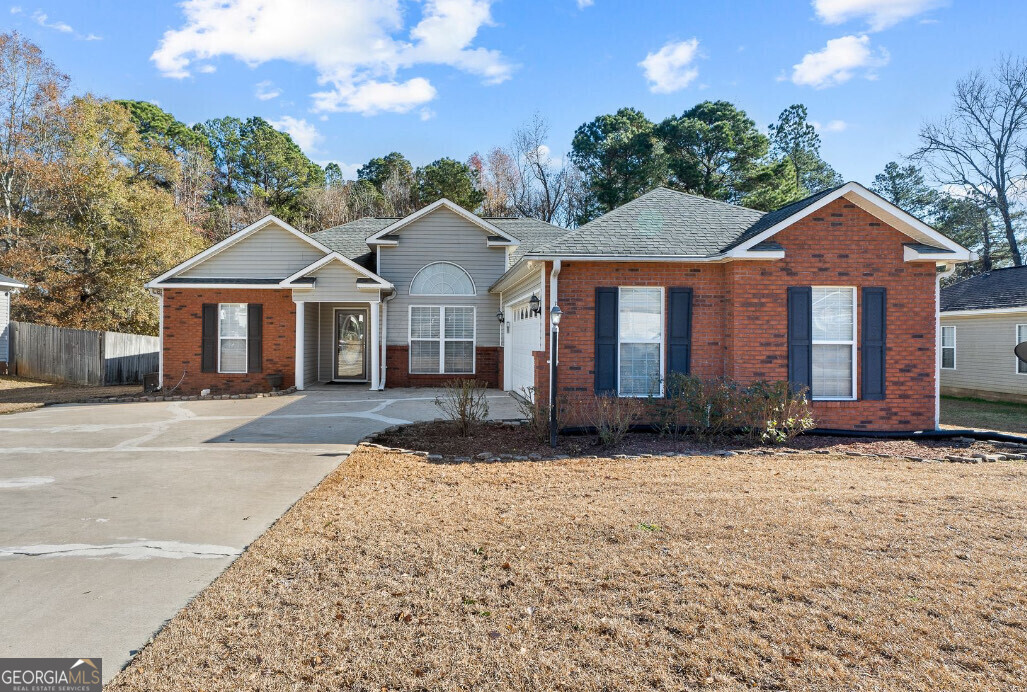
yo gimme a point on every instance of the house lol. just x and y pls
(982, 319)
(7, 286)
(836, 292)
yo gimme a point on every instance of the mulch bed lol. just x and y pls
(512, 441)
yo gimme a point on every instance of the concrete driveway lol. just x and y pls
(113, 516)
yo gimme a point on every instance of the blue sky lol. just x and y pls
(352, 79)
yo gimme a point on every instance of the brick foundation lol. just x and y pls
(183, 325)
(397, 374)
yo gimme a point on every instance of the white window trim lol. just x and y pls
(246, 339)
(942, 347)
(442, 340)
(855, 331)
(1016, 341)
(474, 286)
(662, 342)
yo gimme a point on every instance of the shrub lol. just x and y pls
(464, 402)
(610, 416)
(776, 412)
(535, 413)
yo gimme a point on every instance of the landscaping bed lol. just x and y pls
(797, 572)
(504, 441)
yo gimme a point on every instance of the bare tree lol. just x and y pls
(541, 186)
(982, 145)
(497, 176)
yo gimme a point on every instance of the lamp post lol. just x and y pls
(554, 318)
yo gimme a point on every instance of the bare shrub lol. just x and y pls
(775, 412)
(611, 416)
(464, 402)
(536, 413)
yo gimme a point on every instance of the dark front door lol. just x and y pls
(351, 345)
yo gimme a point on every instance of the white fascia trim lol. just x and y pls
(232, 240)
(199, 283)
(336, 257)
(960, 253)
(443, 203)
(911, 255)
(770, 255)
(988, 311)
(512, 276)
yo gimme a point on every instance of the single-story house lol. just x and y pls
(983, 318)
(7, 286)
(836, 292)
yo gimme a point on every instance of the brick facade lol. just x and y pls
(487, 365)
(183, 328)
(739, 327)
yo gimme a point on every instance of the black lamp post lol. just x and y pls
(554, 317)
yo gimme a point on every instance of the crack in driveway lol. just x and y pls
(135, 550)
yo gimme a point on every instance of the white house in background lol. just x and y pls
(7, 286)
(982, 319)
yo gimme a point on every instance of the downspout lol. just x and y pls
(384, 346)
(947, 271)
(545, 324)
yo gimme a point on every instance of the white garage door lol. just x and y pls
(523, 337)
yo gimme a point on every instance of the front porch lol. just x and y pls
(338, 342)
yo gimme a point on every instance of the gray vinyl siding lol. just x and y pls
(270, 253)
(335, 281)
(5, 328)
(310, 329)
(984, 354)
(443, 237)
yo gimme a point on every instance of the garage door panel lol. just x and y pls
(525, 337)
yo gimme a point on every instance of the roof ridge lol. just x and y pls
(695, 196)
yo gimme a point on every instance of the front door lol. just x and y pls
(351, 345)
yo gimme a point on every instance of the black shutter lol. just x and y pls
(679, 331)
(800, 337)
(606, 341)
(209, 339)
(874, 342)
(255, 337)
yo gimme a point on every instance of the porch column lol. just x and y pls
(300, 314)
(375, 346)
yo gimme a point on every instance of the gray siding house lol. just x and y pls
(7, 286)
(982, 319)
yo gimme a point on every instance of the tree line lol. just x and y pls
(101, 195)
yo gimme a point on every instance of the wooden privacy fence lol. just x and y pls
(80, 356)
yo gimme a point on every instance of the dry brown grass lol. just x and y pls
(803, 572)
(20, 394)
(984, 415)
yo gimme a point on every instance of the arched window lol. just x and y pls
(441, 279)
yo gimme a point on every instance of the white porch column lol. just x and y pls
(376, 347)
(300, 314)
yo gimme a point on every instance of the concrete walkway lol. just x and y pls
(113, 516)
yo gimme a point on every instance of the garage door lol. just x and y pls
(523, 337)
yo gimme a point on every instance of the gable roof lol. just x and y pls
(997, 290)
(379, 237)
(8, 282)
(367, 277)
(665, 223)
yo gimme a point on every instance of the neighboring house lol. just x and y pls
(982, 319)
(836, 292)
(7, 286)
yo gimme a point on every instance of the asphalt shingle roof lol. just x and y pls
(999, 288)
(660, 222)
(771, 219)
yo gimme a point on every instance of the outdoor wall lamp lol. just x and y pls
(500, 316)
(536, 305)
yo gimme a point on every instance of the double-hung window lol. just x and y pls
(441, 339)
(232, 334)
(640, 341)
(834, 342)
(1021, 336)
(948, 348)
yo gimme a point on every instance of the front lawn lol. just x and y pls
(986, 415)
(786, 572)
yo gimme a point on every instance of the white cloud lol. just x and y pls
(207, 69)
(879, 14)
(357, 47)
(838, 62)
(670, 68)
(349, 170)
(831, 126)
(265, 91)
(303, 133)
(43, 20)
(582, 4)
(15, 9)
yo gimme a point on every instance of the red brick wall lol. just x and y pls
(397, 374)
(183, 325)
(739, 315)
